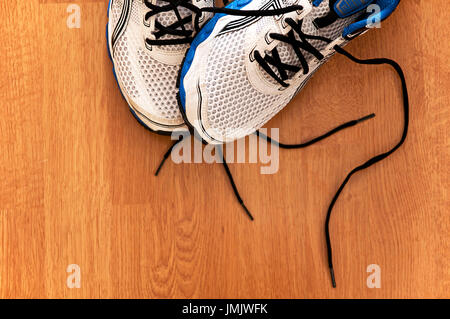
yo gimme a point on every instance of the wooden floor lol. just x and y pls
(77, 184)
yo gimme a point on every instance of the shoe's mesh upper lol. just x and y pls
(235, 107)
(149, 83)
(124, 69)
(160, 81)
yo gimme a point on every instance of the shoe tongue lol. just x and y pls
(345, 8)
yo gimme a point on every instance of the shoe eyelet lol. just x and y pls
(251, 56)
(268, 38)
(148, 46)
(201, 18)
(146, 23)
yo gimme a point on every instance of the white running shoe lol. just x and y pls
(241, 71)
(147, 41)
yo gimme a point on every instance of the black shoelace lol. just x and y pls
(317, 139)
(178, 28)
(374, 159)
(225, 165)
(270, 140)
(167, 154)
(297, 45)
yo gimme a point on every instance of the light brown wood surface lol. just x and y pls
(77, 184)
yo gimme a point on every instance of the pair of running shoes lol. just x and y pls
(187, 65)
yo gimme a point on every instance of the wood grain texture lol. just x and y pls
(77, 184)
